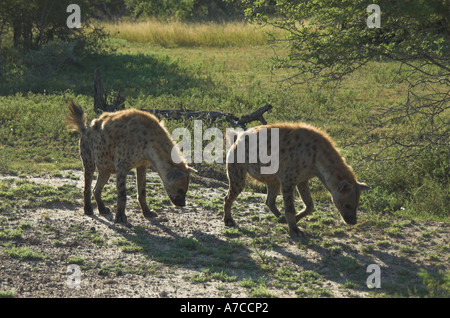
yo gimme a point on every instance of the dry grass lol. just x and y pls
(190, 34)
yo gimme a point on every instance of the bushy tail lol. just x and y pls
(76, 120)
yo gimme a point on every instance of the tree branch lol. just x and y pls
(257, 115)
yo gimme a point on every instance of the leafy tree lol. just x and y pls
(192, 10)
(330, 39)
(36, 22)
(35, 41)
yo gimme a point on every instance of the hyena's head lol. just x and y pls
(346, 199)
(176, 184)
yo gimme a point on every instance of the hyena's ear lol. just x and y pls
(344, 186)
(364, 187)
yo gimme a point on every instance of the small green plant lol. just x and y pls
(350, 285)
(348, 263)
(127, 246)
(261, 291)
(367, 249)
(383, 243)
(208, 275)
(23, 253)
(75, 260)
(394, 230)
(407, 249)
(438, 283)
(231, 232)
(6, 294)
(11, 234)
(95, 237)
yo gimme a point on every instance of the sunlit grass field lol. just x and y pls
(190, 34)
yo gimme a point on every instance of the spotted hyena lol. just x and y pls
(304, 152)
(116, 143)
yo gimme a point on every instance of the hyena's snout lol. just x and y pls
(350, 220)
(179, 202)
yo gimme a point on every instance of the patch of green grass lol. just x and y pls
(214, 204)
(24, 193)
(208, 275)
(6, 294)
(437, 283)
(368, 249)
(407, 249)
(75, 260)
(261, 291)
(95, 237)
(128, 246)
(428, 234)
(256, 287)
(232, 232)
(11, 234)
(305, 283)
(348, 263)
(23, 253)
(188, 243)
(350, 285)
(311, 285)
(394, 230)
(383, 243)
(118, 268)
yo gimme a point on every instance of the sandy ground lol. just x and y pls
(180, 244)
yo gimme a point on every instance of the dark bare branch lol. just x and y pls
(257, 115)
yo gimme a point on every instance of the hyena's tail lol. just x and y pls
(76, 120)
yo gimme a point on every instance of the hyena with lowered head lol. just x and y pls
(116, 143)
(303, 152)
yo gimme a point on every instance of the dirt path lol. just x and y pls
(189, 253)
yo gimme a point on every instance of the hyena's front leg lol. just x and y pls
(236, 180)
(303, 188)
(141, 180)
(273, 189)
(121, 196)
(288, 197)
(103, 177)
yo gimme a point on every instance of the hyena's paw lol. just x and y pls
(229, 222)
(88, 210)
(121, 218)
(104, 211)
(149, 214)
(295, 233)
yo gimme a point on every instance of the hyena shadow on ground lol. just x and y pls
(395, 275)
(161, 241)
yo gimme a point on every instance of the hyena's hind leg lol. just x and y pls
(273, 189)
(103, 177)
(141, 181)
(88, 176)
(303, 188)
(121, 175)
(236, 180)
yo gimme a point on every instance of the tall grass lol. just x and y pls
(189, 34)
